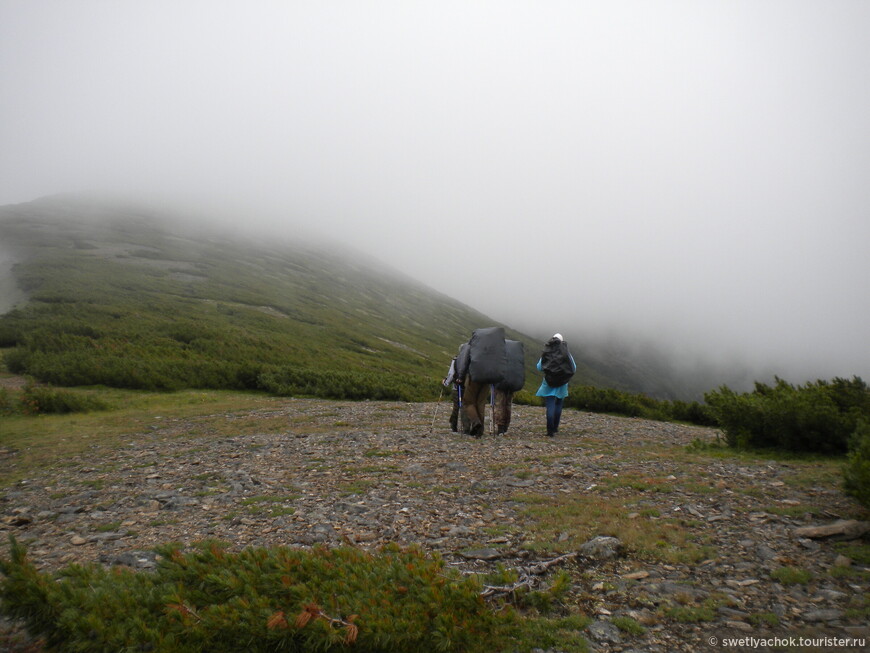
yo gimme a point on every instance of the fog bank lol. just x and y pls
(688, 177)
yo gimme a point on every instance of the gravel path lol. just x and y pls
(704, 536)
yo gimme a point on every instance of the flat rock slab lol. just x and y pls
(482, 554)
(846, 529)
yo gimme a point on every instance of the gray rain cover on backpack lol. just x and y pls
(463, 360)
(515, 372)
(487, 355)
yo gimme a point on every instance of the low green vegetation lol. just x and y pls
(544, 633)
(638, 483)
(628, 625)
(850, 572)
(691, 614)
(857, 470)
(280, 599)
(794, 511)
(40, 441)
(39, 400)
(561, 524)
(617, 402)
(791, 575)
(859, 607)
(141, 328)
(769, 619)
(857, 552)
(270, 504)
(816, 417)
(824, 417)
(132, 302)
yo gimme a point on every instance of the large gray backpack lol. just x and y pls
(487, 362)
(515, 371)
(556, 363)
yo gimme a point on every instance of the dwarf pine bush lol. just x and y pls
(607, 400)
(857, 472)
(816, 417)
(276, 599)
(44, 400)
(617, 402)
(8, 405)
(40, 400)
(332, 384)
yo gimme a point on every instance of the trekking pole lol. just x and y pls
(441, 394)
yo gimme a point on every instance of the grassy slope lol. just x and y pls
(117, 297)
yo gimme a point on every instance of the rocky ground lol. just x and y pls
(710, 545)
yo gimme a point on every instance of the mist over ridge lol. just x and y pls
(682, 186)
(615, 360)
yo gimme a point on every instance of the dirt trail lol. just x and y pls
(365, 473)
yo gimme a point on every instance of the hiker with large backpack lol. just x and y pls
(457, 415)
(558, 366)
(479, 366)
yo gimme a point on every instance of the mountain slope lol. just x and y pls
(126, 297)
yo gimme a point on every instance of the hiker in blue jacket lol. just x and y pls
(558, 366)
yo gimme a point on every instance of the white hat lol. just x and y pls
(559, 336)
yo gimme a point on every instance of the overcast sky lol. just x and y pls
(696, 173)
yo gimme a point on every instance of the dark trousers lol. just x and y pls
(458, 418)
(554, 413)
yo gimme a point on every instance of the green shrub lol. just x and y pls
(524, 397)
(692, 412)
(40, 400)
(258, 600)
(93, 320)
(856, 474)
(616, 402)
(9, 337)
(550, 634)
(16, 360)
(76, 360)
(332, 384)
(8, 405)
(523, 596)
(607, 400)
(816, 417)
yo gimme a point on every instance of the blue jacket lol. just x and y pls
(547, 391)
